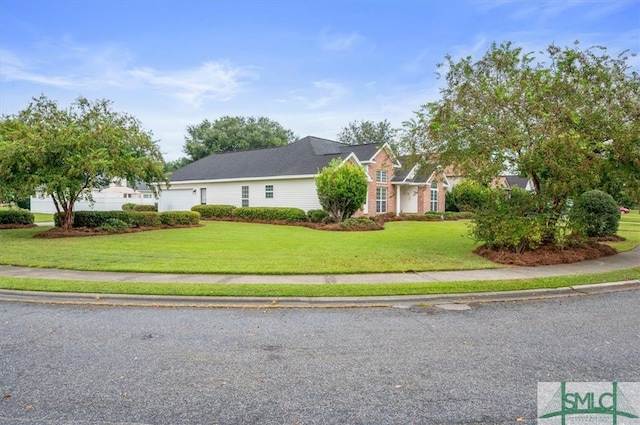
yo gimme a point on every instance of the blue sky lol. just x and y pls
(313, 66)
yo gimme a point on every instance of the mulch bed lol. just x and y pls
(16, 226)
(547, 255)
(85, 231)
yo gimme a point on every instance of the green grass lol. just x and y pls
(240, 248)
(223, 247)
(311, 290)
(629, 228)
(43, 218)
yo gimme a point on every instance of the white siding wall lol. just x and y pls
(298, 193)
(177, 199)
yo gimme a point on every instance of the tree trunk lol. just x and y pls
(66, 215)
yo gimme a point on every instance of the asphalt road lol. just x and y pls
(94, 365)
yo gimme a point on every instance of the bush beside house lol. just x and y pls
(16, 217)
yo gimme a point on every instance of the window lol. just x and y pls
(203, 196)
(381, 176)
(434, 196)
(381, 200)
(245, 196)
(268, 191)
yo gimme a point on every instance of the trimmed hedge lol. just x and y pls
(179, 218)
(96, 219)
(435, 216)
(317, 216)
(113, 225)
(141, 208)
(214, 211)
(16, 217)
(144, 219)
(270, 214)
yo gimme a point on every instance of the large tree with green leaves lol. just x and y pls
(231, 134)
(364, 132)
(66, 153)
(342, 189)
(568, 119)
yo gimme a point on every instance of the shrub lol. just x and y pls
(469, 196)
(450, 203)
(144, 219)
(179, 218)
(317, 216)
(128, 206)
(360, 223)
(16, 217)
(342, 189)
(96, 219)
(113, 225)
(145, 208)
(434, 215)
(214, 211)
(508, 221)
(270, 214)
(596, 213)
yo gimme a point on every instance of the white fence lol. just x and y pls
(101, 202)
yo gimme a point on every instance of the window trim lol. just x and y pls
(244, 194)
(381, 201)
(203, 196)
(268, 191)
(433, 200)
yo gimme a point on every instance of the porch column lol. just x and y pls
(397, 200)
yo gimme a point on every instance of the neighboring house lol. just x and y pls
(509, 181)
(105, 199)
(285, 177)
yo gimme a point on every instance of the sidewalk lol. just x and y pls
(624, 260)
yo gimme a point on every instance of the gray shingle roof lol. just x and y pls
(515, 181)
(304, 157)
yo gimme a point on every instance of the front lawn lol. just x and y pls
(239, 248)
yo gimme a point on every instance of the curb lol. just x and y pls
(63, 298)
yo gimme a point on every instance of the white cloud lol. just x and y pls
(340, 42)
(212, 80)
(73, 66)
(14, 68)
(321, 94)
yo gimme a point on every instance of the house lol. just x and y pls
(108, 198)
(509, 181)
(285, 177)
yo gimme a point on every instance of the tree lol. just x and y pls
(231, 134)
(68, 152)
(363, 132)
(342, 189)
(564, 123)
